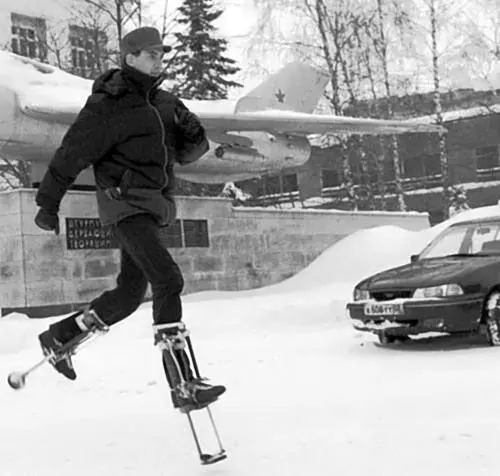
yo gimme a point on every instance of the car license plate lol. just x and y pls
(380, 309)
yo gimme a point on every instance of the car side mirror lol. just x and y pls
(413, 258)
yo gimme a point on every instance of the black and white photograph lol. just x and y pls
(249, 237)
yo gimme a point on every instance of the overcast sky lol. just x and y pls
(240, 17)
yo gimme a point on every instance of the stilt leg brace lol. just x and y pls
(171, 340)
(170, 336)
(89, 321)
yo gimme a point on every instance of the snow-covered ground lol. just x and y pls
(307, 395)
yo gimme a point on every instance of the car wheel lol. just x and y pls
(492, 318)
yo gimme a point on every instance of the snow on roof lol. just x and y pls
(309, 203)
(450, 116)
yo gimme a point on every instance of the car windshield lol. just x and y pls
(467, 239)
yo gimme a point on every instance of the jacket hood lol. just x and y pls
(117, 82)
(110, 83)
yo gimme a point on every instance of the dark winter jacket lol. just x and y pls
(132, 133)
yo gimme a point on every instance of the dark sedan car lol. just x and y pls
(452, 286)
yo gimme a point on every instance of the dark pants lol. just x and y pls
(143, 259)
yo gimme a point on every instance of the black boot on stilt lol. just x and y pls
(73, 328)
(188, 392)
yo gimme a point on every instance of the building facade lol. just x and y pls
(71, 34)
(473, 146)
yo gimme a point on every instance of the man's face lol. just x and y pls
(148, 62)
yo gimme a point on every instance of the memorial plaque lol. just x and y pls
(88, 234)
(196, 233)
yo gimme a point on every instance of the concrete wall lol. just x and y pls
(248, 248)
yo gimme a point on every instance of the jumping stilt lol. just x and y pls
(172, 344)
(17, 380)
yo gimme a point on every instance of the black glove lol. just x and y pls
(47, 220)
(190, 125)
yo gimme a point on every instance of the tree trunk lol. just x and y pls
(443, 153)
(164, 19)
(119, 21)
(332, 68)
(397, 174)
(347, 179)
(365, 185)
(322, 15)
(394, 143)
(379, 163)
(378, 157)
(139, 12)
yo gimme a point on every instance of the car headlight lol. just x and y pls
(361, 294)
(445, 290)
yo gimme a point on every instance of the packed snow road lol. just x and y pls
(306, 395)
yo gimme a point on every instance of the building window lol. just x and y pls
(364, 174)
(422, 166)
(388, 172)
(278, 184)
(413, 167)
(290, 183)
(330, 178)
(432, 164)
(270, 185)
(486, 157)
(88, 49)
(29, 36)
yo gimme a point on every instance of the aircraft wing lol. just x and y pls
(281, 122)
(293, 123)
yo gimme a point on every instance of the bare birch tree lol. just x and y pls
(443, 153)
(329, 27)
(382, 51)
(379, 155)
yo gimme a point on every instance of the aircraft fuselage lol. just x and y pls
(251, 154)
(237, 156)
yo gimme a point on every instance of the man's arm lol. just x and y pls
(192, 142)
(86, 141)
